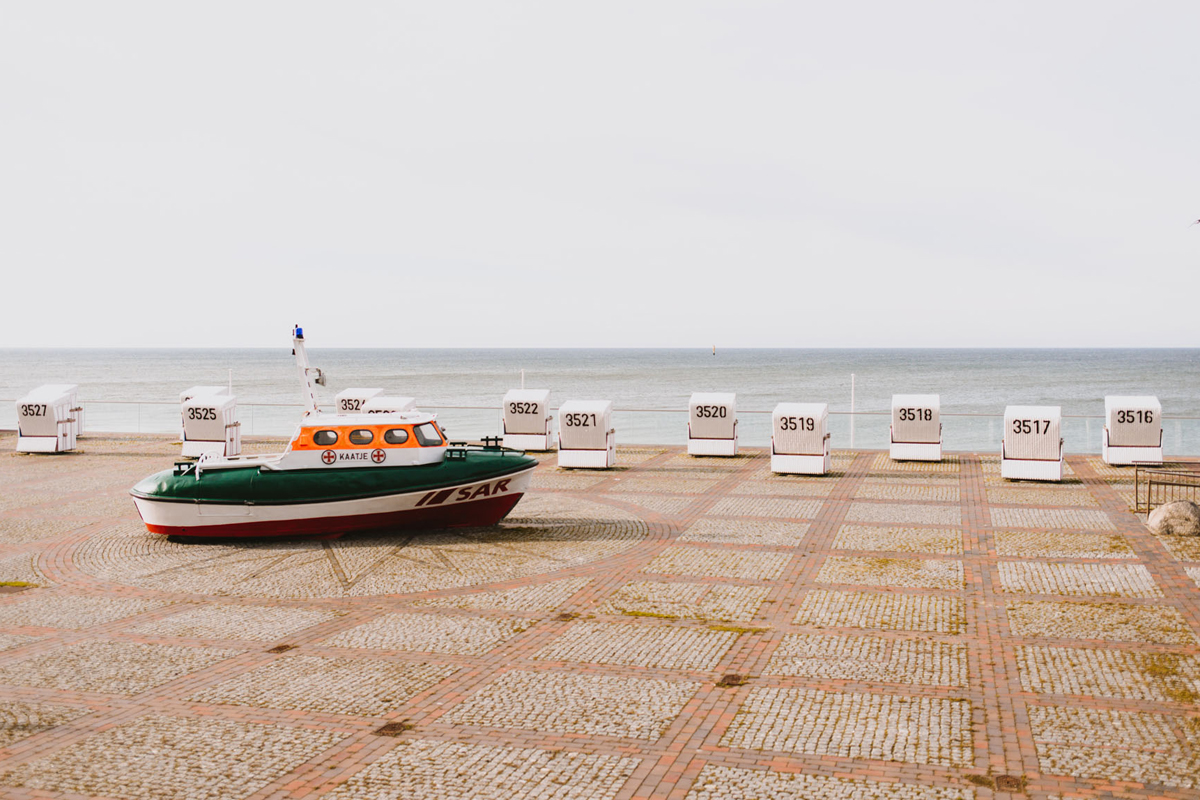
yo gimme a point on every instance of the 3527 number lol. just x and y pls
(1124, 417)
(33, 410)
(202, 413)
(797, 423)
(1038, 426)
(916, 415)
(579, 420)
(523, 408)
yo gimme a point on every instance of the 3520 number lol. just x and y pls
(1124, 417)
(579, 420)
(522, 408)
(711, 412)
(916, 415)
(797, 423)
(1038, 426)
(33, 410)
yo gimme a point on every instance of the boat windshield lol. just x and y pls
(428, 435)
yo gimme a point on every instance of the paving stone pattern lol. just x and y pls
(675, 629)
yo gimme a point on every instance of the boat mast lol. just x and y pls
(308, 375)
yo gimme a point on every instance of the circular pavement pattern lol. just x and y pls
(544, 534)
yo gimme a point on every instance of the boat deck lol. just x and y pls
(677, 628)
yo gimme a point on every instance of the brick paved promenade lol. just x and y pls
(677, 628)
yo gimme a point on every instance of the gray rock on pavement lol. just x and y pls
(1179, 518)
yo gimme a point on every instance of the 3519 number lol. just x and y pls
(797, 423)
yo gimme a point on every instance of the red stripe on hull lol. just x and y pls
(458, 515)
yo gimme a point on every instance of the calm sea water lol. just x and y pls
(969, 381)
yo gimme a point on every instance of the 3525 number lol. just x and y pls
(202, 413)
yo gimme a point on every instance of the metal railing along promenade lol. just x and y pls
(1156, 486)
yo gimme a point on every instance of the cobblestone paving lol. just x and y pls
(891, 612)
(719, 563)
(702, 601)
(19, 720)
(430, 633)
(636, 645)
(1114, 745)
(1114, 622)
(1062, 544)
(882, 727)
(112, 667)
(1051, 518)
(870, 658)
(255, 623)
(898, 572)
(426, 768)
(74, 613)
(730, 783)
(138, 760)
(593, 705)
(900, 540)
(1110, 673)
(905, 514)
(332, 685)
(731, 531)
(676, 629)
(1110, 580)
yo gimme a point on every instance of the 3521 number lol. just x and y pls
(579, 420)
(916, 415)
(1038, 426)
(1124, 417)
(797, 423)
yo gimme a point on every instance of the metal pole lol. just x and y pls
(851, 410)
(522, 379)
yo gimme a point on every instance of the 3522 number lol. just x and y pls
(523, 408)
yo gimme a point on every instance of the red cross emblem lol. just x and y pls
(378, 456)
(329, 457)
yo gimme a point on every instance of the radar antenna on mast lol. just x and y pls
(308, 375)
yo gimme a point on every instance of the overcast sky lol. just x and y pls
(608, 174)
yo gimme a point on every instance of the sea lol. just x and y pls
(127, 390)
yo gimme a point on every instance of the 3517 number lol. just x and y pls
(1038, 426)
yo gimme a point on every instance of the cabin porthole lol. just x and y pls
(395, 436)
(361, 436)
(325, 438)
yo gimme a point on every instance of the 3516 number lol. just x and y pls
(1124, 417)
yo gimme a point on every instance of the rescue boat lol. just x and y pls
(339, 473)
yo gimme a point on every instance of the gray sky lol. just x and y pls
(606, 174)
